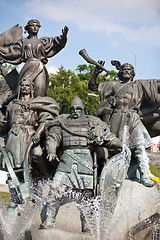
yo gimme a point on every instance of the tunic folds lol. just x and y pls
(127, 99)
(34, 53)
(24, 118)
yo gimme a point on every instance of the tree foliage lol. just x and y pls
(66, 84)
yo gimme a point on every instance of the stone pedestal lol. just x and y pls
(136, 212)
(134, 217)
(68, 226)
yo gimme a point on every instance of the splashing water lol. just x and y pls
(97, 211)
(5, 227)
(14, 222)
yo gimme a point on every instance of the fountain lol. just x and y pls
(58, 190)
(135, 215)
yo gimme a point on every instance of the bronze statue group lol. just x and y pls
(72, 147)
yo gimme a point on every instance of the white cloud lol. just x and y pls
(52, 69)
(134, 19)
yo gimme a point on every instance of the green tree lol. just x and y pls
(66, 84)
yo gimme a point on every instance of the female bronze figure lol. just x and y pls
(32, 51)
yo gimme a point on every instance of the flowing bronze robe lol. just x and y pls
(34, 53)
(24, 118)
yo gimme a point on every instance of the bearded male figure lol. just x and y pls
(26, 117)
(76, 136)
(120, 106)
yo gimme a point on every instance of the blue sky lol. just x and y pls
(124, 30)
